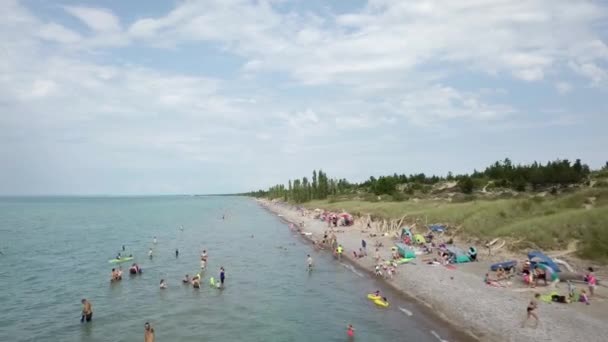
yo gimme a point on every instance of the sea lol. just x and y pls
(56, 251)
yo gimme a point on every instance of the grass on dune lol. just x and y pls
(548, 222)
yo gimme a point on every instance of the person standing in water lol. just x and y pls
(222, 276)
(176, 252)
(150, 254)
(309, 260)
(123, 248)
(148, 333)
(339, 250)
(204, 259)
(87, 311)
(154, 240)
(350, 331)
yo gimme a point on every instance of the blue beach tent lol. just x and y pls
(539, 257)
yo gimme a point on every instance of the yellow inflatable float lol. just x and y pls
(381, 303)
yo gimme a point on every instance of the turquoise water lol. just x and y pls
(56, 251)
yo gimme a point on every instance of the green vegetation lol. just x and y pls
(535, 206)
(502, 174)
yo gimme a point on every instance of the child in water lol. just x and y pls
(350, 331)
(163, 285)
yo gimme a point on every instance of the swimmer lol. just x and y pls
(350, 331)
(309, 260)
(186, 280)
(148, 333)
(115, 275)
(87, 311)
(163, 285)
(150, 254)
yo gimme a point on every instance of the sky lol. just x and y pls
(222, 96)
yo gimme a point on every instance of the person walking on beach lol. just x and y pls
(148, 333)
(531, 310)
(591, 281)
(87, 311)
(364, 246)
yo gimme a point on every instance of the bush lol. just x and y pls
(466, 185)
(399, 197)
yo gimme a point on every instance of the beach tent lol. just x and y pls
(539, 257)
(506, 265)
(438, 228)
(405, 251)
(457, 255)
(419, 238)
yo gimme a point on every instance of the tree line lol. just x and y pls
(503, 174)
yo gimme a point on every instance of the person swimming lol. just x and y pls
(134, 269)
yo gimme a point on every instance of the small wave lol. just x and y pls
(437, 336)
(351, 268)
(406, 311)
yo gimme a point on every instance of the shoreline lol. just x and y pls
(421, 305)
(458, 296)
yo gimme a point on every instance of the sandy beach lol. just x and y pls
(459, 294)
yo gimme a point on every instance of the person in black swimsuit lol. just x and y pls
(531, 310)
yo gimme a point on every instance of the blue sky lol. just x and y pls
(163, 97)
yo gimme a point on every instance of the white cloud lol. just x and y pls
(591, 71)
(97, 19)
(58, 33)
(439, 103)
(308, 80)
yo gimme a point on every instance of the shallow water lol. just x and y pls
(56, 251)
